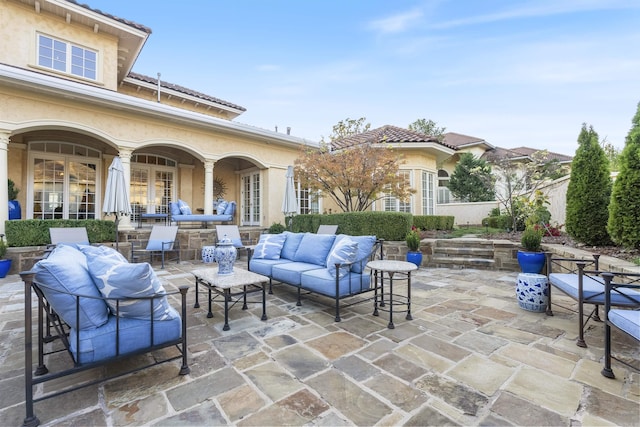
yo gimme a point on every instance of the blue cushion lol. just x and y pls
(291, 245)
(592, 289)
(222, 205)
(102, 251)
(314, 248)
(65, 270)
(626, 320)
(174, 208)
(290, 272)
(323, 282)
(100, 343)
(230, 209)
(343, 251)
(365, 246)
(122, 280)
(184, 207)
(269, 246)
(264, 266)
(237, 243)
(159, 245)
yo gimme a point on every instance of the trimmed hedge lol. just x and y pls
(502, 222)
(433, 222)
(35, 232)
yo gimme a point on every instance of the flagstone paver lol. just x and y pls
(470, 356)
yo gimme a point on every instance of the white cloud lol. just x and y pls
(397, 23)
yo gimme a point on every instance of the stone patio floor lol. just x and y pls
(470, 356)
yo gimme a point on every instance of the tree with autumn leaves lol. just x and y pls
(353, 177)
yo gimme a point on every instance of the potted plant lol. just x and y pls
(531, 259)
(15, 212)
(413, 242)
(5, 264)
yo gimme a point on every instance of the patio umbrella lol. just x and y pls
(290, 202)
(116, 195)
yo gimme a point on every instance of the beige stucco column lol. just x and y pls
(125, 156)
(208, 187)
(4, 167)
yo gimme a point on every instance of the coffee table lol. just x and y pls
(380, 300)
(222, 284)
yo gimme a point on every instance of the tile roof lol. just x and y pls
(184, 90)
(387, 134)
(527, 151)
(521, 153)
(108, 15)
(457, 140)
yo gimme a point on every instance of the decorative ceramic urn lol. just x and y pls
(225, 255)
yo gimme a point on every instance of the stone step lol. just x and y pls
(463, 252)
(461, 262)
(464, 243)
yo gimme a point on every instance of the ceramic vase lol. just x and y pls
(225, 255)
(531, 262)
(208, 254)
(5, 266)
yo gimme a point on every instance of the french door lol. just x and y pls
(251, 209)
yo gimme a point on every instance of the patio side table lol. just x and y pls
(382, 299)
(221, 285)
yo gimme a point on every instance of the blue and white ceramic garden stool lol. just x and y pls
(208, 254)
(532, 291)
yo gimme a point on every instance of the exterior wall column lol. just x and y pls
(208, 187)
(4, 167)
(125, 156)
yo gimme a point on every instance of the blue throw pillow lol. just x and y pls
(121, 280)
(222, 205)
(365, 245)
(175, 207)
(344, 251)
(65, 270)
(314, 248)
(184, 207)
(230, 209)
(101, 251)
(269, 246)
(291, 245)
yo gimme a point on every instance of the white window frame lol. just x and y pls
(428, 192)
(393, 204)
(67, 61)
(251, 204)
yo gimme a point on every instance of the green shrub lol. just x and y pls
(413, 240)
(384, 225)
(502, 222)
(276, 228)
(589, 191)
(532, 239)
(433, 222)
(3, 248)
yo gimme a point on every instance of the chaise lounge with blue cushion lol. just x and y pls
(97, 308)
(326, 264)
(180, 212)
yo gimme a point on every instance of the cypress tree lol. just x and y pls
(589, 191)
(624, 209)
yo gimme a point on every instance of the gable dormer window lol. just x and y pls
(66, 57)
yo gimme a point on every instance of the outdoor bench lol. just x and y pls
(86, 310)
(180, 212)
(325, 264)
(582, 280)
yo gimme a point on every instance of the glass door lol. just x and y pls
(250, 208)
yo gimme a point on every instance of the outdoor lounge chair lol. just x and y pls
(327, 229)
(76, 235)
(162, 239)
(232, 232)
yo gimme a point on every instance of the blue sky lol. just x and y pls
(515, 73)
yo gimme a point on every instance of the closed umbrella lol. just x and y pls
(290, 202)
(116, 195)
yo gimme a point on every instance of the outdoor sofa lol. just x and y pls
(325, 264)
(97, 308)
(180, 212)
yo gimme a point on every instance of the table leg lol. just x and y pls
(409, 317)
(197, 304)
(264, 301)
(375, 293)
(227, 295)
(391, 325)
(244, 297)
(210, 313)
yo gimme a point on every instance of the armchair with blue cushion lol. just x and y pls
(163, 239)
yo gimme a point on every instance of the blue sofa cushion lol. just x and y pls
(314, 248)
(264, 266)
(365, 245)
(184, 208)
(100, 343)
(291, 245)
(323, 282)
(626, 320)
(222, 206)
(592, 289)
(343, 251)
(269, 246)
(101, 251)
(122, 280)
(65, 270)
(174, 208)
(290, 272)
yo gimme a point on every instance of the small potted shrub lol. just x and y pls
(413, 243)
(531, 259)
